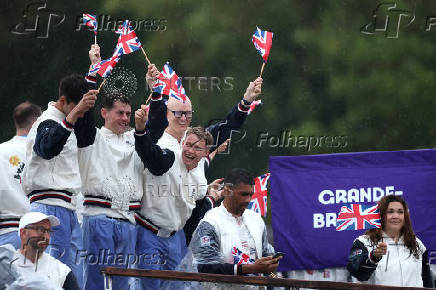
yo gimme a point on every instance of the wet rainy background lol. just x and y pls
(342, 76)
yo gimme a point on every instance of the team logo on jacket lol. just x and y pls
(16, 162)
(121, 191)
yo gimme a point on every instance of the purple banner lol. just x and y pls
(307, 193)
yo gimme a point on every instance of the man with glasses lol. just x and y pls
(34, 230)
(174, 179)
(172, 184)
(179, 114)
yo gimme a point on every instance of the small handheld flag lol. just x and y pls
(358, 217)
(128, 42)
(258, 201)
(107, 65)
(91, 21)
(168, 83)
(262, 41)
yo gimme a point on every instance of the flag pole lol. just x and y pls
(148, 99)
(143, 51)
(101, 85)
(95, 38)
(261, 70)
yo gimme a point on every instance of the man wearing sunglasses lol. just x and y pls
(35, 229)
(179, 114)
(174, 176)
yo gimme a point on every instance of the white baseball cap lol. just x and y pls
(34, 217)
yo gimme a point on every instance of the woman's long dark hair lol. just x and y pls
(375, 235)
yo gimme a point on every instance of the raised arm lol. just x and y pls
(234, 120)
(157, 160)
(84, 128)
(52, 136)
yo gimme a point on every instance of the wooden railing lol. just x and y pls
(250, 280)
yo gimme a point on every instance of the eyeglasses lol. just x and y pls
(178, 114)
(40, 230)
(194, 147)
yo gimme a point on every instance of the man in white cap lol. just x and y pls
(34, 231)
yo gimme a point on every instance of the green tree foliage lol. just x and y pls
(324, 76)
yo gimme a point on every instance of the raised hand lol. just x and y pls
(94, 54)
(152, 75)
(141, 117)
(253, 90)
(87, 102)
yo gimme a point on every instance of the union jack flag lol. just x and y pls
(358, 217)
(262, 41)
(254, 104)
(240, 258)
(168, 83)
(258, 201)
(105, 67)
(91, 21)
(127, 41)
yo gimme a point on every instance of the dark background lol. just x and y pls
(324, 77)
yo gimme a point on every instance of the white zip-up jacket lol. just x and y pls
(216, 237)
(169, 199)
(397, 268)
(51, 175)
(111, 173)
(14, 202)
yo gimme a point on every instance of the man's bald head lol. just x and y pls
(178, 125)
(179, 105)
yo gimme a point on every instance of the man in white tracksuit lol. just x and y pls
(13, 157)
(231, 239)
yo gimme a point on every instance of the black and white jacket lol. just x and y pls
(397, 268)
